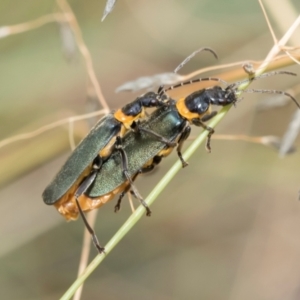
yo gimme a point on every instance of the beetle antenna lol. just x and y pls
(194, 81)
(192, 55)
(273, 92)
(234, 85)
(185, 61)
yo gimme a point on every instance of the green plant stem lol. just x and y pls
(140, 211)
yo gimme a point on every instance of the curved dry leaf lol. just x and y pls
(149, 82)
(108, 8)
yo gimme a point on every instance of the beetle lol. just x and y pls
(81, 168)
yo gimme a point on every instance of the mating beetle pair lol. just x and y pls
(104, 165)
(80, 170)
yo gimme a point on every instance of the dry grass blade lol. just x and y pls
(6, 31)
(29, 135)
(69, 15)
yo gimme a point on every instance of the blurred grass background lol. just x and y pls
(228, 225)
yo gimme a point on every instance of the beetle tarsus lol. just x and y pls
(183, 162)
(148, 211)
(118, 205)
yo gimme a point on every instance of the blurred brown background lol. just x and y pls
(227, 227)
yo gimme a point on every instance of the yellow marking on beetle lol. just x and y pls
(109, 147)
(184, 111)
(64, 203)
(69, 208)
(128, 120)
(163, 153)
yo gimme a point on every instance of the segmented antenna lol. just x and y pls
(235, 85)
(273, 92)
(192, 55)
(185, 61)
(194, 81)
(263, 76)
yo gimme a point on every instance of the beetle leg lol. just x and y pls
(126, 190)
(90, 230)
(126, 174)
(184, 135)
(136, 127)
(118, 205)
(88, 180)
(209, 116)
(210, 130)
(85, 184)
(155, 161)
